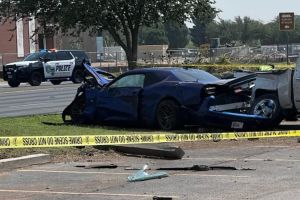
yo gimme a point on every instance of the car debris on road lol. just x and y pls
(162, 198)
(141, 175)
(202, 168)
(98, 166)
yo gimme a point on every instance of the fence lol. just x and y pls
(116, 57)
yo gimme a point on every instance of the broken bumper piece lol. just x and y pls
(141, 175)
(227, 120)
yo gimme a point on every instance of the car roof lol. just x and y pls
(160, 69)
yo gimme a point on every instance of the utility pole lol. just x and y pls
(287, 48)
(287, 23)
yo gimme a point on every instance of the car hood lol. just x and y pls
(22, 63)
(101, 80)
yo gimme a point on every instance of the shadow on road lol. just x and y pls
(289, 127)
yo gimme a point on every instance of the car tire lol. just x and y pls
(55, 82)
(14, 83)
(77, 75)
(268, 106)
(167, 115)
(35, 78)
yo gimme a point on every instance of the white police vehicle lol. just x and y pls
(55, 66)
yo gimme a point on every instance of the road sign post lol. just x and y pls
(287, 23)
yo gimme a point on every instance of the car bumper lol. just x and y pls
(20, 75)
(205, 117)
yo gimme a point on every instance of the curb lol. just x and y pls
(24, 161)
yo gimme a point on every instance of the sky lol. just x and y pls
(263, 10)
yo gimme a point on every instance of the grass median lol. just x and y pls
(49, 125)
(52, 125)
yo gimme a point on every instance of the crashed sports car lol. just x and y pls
(167, 98)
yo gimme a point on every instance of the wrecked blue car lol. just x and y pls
(167, 98)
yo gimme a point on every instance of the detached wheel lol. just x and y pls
(55, 82)
(13, 83)
(35, 79)
(268, 106)
(167, 115)
(77, 76)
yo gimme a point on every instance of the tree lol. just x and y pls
(244, 30)
(177, 34)
(121, 18)
(198, 31)
(154, 35)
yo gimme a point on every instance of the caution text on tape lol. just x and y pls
(91, 140)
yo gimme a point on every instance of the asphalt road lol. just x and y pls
(28, 100)
(275, 175)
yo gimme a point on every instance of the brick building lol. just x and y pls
(16, 41)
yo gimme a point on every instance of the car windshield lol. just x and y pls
(194, 75)
(35, 56)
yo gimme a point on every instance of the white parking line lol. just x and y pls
(117, 173)
(83, 193)
(215, 158)
(271, 159)
(25, 91)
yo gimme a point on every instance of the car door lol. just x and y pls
(119, 102)
(49, 65)
(296, 85)
(65, 64)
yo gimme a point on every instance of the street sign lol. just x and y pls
(286, 21)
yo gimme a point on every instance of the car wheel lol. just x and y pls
(13, 83)
(167, 115)
(55, 82)
(35, 79)
(268, 106)
(77, 76)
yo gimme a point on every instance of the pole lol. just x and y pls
(287, 48)
(116, 59)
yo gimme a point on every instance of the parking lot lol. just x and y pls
(267, 169)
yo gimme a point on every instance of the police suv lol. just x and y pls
(55, 66)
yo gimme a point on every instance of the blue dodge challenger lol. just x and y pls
(167, 98)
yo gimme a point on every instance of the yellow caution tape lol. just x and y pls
(91, 140)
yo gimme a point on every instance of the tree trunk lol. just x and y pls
(132, 61)
(132, 54)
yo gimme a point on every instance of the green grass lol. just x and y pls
(48, 125)
(43, 125)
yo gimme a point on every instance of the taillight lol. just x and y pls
(244, 87)
(211, 90)
(238, 90)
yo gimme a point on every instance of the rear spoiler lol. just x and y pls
(242, 80)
